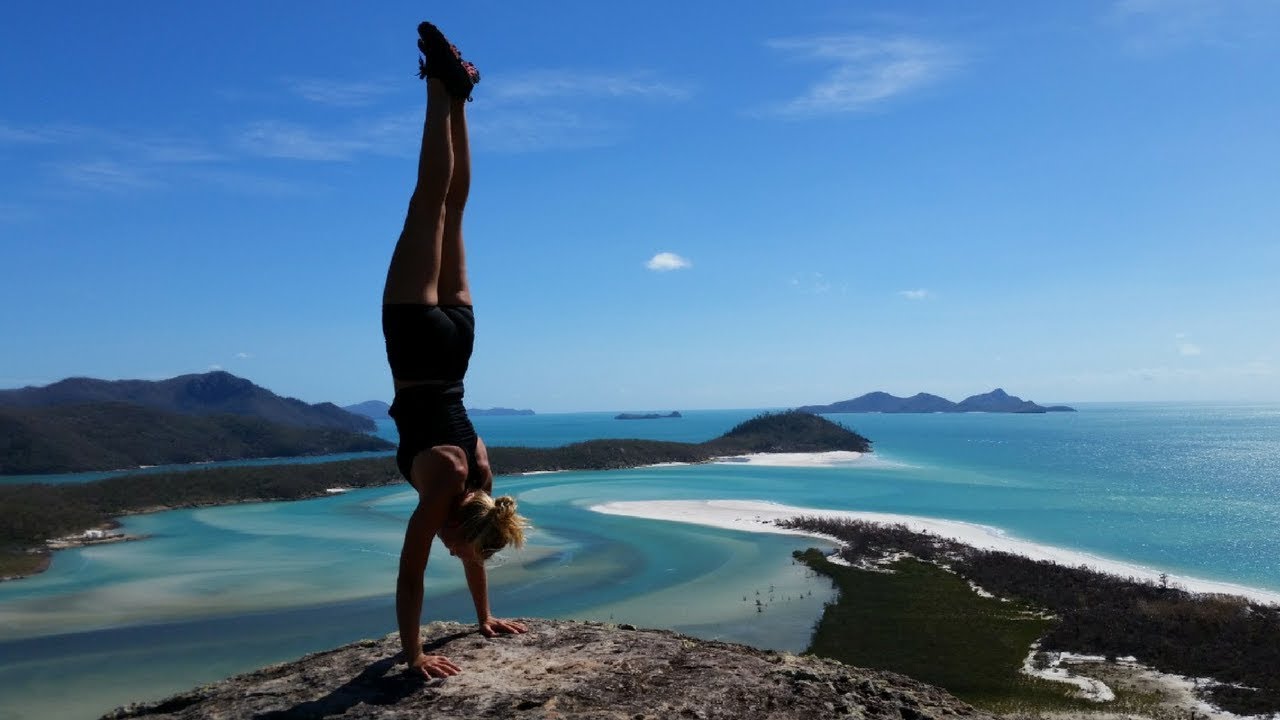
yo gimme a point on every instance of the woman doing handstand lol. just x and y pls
(429, 327)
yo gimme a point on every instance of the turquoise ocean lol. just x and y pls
(1190, 489)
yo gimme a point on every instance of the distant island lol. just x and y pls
(83, 424)
(646, 416)
(495, 411)
(211, 393)
(372, 409)
(36, 513)
(377, 410)
(996, 401)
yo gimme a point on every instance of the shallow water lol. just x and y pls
(1191, 489)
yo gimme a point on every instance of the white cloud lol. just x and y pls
(1186, 348)
(1152, 26)
(534, 129)
(559, 110)
(867, 70)
(384, 135)
(244, 183)
(543, 84)
(815, 283)
(336, 93)
(917, 294)
(24, 136)
(276, 139)
(106, 175)
(243, 356)
(13, 213)
(665, 261)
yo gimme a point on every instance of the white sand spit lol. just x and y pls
(819, 459)
(760, 516)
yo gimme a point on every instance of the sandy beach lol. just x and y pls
(760, 516)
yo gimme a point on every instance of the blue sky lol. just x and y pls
(676, 205)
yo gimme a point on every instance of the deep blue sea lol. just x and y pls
(1192, 489)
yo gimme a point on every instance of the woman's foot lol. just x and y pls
(442, 60)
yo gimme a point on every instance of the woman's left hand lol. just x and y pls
(493, 627)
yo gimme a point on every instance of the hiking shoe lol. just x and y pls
(441, 60)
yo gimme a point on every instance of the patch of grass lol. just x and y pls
(928, 624)
(17, 562)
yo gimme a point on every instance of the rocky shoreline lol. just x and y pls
(562, 669)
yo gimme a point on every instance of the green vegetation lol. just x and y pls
(16, 563)
(790, 431)
(106, 436)
(926, 623)
(1230, 639)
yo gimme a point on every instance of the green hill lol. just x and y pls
(113, 435)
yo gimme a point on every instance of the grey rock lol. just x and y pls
(561, 669)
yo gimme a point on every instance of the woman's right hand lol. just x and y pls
(433, 666)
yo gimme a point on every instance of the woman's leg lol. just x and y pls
(453, 288)
(414, 274)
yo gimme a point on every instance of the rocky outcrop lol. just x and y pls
(562, 669)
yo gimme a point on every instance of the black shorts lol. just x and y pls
(428, 342)
(431, 344)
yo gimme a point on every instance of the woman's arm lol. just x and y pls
(413, 563)
(478, 584)
(438, 478)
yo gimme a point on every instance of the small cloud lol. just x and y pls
(867, 70)
(665, 261)
(243, 356)
(815, 283)
(14, 213)
(175, 152)
(531, 130)
(1155, 26)
(287, 140)
(215, 367)
(563, 110)
(1186, 348)
(243, 183)
(25, 136)
(337, 94)
(544, 84)
(918, 294)
(386, 135)
(105, 175)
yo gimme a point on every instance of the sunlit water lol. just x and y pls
(1194, 490)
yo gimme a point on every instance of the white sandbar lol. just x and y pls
(817, 459)
(760, 516)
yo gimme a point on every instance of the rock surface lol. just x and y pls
(562, 669)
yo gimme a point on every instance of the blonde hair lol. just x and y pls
(490, 524)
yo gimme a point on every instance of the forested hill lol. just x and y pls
(211, 393)
(113, 435)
